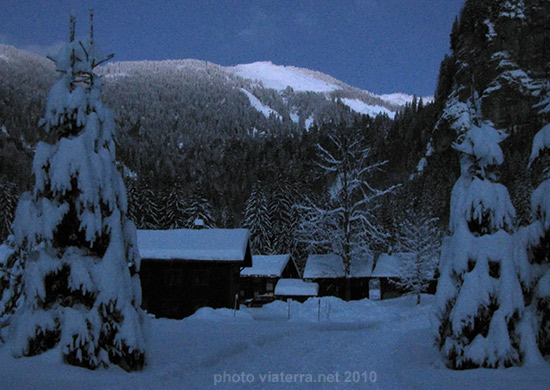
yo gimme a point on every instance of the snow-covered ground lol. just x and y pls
(362, 344)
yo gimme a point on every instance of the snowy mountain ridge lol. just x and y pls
(248, 79)
(281, 77)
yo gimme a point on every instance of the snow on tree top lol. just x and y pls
(296, 287)
(332, 266)
(482, 142)
(473, 199)
(514, 9)
(271, 265)
(191, 244)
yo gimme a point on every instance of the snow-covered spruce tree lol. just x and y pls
(146, 208)
(80, 287)
(173, 210)
(132, 199)
(479, 295)
(256, 219)
(225, 217)
(540, 205)
(11, 286)
(8, 201)
(343, 223)
(418, 238)
(198, 212)
(280, 215)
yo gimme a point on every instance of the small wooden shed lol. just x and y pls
(266, 270)
(295, 289)
(185, 269)
(329, 272)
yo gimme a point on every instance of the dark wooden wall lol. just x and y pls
(176, 288)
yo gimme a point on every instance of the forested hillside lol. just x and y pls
(191, 130)
(195, 138)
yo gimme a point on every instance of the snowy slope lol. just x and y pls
(280, 77)
(401, 99)
(259, 106)
(367, 109)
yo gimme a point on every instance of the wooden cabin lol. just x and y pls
(387, 270)
(329, 272)
(266, 271)
(295, 289)
(360, 274)
(185, 269)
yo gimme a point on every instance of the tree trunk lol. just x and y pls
(418, 299)
(347, 294)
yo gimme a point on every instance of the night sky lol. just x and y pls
(382, 46)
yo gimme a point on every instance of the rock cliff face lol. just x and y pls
(500, 66)
(501, 51)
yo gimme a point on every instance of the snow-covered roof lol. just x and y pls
(361, 266)
(190, 244)
(266, 266)
(387, 265)
(296, 287)
(324, 266)
(332, 266)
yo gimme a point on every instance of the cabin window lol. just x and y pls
(269, 286)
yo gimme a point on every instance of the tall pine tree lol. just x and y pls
(198, 212)
(257, 220)
(75, 245)
(540, 205)
(8, 202)
(479, 294)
